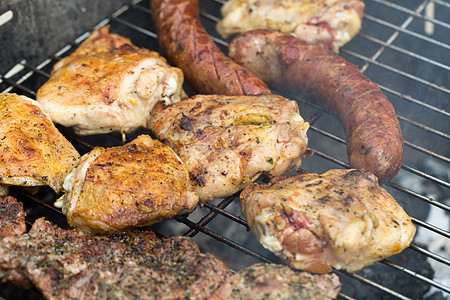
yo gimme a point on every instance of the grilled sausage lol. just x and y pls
(374, 137)
(187, 45)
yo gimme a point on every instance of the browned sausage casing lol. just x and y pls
(374, 137)
(187, 45)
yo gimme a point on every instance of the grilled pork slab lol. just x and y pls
(108, 84)
(270, 281)
(12, 217)
(341, 219)
(227, 142)
(327, 23)
(72, 264)
(138, 184)
(32, 150)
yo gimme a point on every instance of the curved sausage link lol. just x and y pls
(374, 137)
(187, 45)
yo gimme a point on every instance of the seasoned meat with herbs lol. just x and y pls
(227, 142)
(270, 281)
(12, 217)
(72, 264)
(109, 84)
(341, 219)
(32, 150)
(327, 23)
(138, 184)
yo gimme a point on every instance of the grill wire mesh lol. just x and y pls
(403, 46)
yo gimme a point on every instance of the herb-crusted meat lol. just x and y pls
(72, 264)
(12, 217)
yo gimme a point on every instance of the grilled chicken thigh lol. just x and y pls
(32, 150)
(227, 142)
(328, 23)
(137, 184)
(341, 219)
(108, 84)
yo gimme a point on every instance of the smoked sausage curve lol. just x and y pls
(187, 45)
(373, 133)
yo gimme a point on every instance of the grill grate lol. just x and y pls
(404, 48)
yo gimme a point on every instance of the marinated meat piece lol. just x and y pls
(108, 84)
(373, 132)
(227, 142)
(187, 45)
(341, 219)
(32, 150)
(270, 281)
(137, 184)
(12, 217)
(327, 23)
(72, 264)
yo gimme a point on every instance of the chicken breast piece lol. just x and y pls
(108, 84)
(32, 150)
(328, 23)
(341, 219)
(227, 142)
(271, 281)
(138, 184)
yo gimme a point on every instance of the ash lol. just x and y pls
(434, 242)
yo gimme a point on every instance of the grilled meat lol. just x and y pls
(341, 219)
(108, 84)
(269, 281)
(32, 150)
(72, 264)
(373, 132)
(187, 45)
(12, 217)
(227, 142)
(137, 184)
(327, 23)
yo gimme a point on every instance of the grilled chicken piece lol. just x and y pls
(108, 84)
(32, 150)
(328, 23)
(227, 142)
(12, 217)
(72, 264)
(270, 281)
(138, 184)
(341, 219)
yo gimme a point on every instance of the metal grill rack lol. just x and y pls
(404, 47)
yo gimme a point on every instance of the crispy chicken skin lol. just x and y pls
(327, 23)
(227, 142)
(108, 84)
(341, 219)
(138, 184)
(32, 150)
(270, 281)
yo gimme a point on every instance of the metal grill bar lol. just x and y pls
(203, 225)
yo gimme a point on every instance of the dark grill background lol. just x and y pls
(410, 65)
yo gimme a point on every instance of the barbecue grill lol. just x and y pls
(403, 46)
